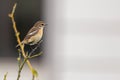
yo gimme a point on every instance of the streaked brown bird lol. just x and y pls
(35, 34)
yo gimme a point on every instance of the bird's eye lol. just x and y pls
(42, 24)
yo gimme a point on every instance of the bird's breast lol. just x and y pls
(36, 38)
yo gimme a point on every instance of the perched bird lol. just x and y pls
(34, 35)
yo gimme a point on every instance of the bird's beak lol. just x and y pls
(46, 24)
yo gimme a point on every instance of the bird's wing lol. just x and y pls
(31, 32)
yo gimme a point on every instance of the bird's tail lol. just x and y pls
(19, 44)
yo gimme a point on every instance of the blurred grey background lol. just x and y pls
(81, 41)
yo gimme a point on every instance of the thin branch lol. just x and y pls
(33, 77)
(36, 55)
(20, 68)
(11, 15)
(5, 76)
(35, 48)
(19, 60)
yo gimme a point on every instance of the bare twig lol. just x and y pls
(5, 76)
(33, 77)
(35, 48)
(36, 55)
(20, 68)
(19, 60)
(11, 15)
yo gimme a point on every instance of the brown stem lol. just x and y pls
(11, 15)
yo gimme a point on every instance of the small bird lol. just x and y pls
(35, 34)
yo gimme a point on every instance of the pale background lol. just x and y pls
(86, 39)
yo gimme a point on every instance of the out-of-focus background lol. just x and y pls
(81, 41)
